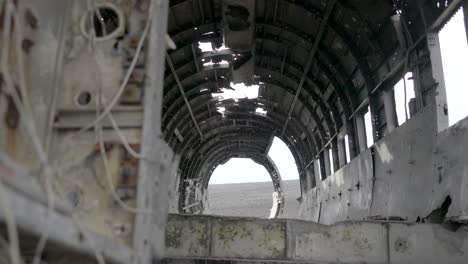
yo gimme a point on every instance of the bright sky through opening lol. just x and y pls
(239, 170)
(454, 50)
(238, 91)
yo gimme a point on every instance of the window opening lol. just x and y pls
(454, 50)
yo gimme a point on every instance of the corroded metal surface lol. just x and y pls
(252, 239)
(187, 246)
(247, 239)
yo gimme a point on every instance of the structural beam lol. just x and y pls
(440, 93)
(181, 89)
(283, 62)
(446, 15)
(318, 37)
(155, 168)
(195, 59)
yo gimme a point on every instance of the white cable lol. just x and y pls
(99, 133)
(123, 139)
(109, 179)
(102, 150)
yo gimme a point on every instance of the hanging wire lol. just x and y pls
(100, 139)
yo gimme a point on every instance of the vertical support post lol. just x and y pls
(336, 158)
(317, 174)
(390, 109)
(326, 157)
(361, 132)
(341, 152)
(311, 177)
(154, 174)
(440, 94)
(323, 172)
(374, 109)
(353, 145)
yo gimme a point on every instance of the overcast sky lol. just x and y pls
(455, 61)
(245, 170)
